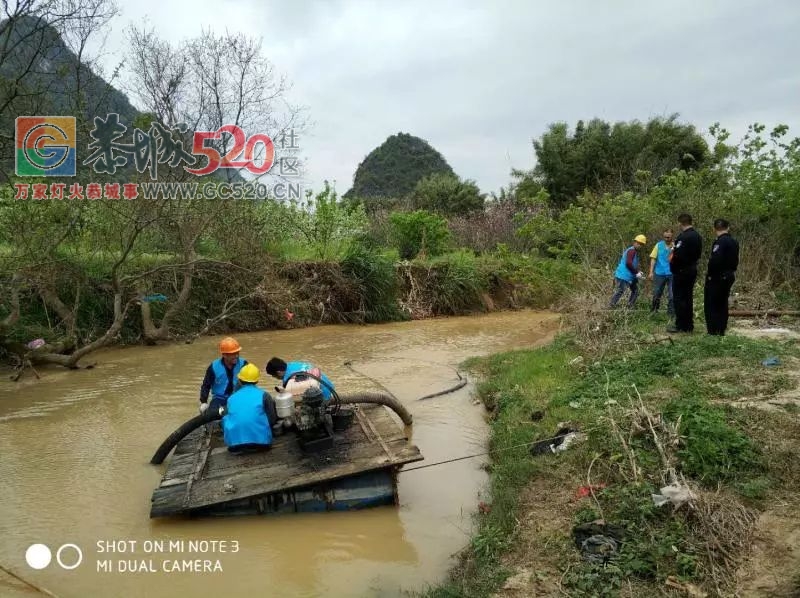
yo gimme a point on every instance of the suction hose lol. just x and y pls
(378, 398)
(375, 398)
(173, 439)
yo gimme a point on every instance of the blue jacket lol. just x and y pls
(293, 367)
(662, 260)
(626, 262)
(245, 421)
(217, 382)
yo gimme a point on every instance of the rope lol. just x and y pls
(349, 365)
(501, 450)
(462, 382)
(28, 583)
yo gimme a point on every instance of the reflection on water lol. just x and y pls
(75, 446)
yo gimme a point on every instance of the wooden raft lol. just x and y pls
(202, 472)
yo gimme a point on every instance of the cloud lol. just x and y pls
(479, 80)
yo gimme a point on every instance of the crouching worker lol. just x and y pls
(249, 415)
(295, 379)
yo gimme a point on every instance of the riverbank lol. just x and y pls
(365, 286)
(647, 406)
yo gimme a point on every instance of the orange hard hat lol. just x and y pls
(229, 345)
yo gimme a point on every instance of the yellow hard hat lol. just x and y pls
(640, 239)
(249, 373)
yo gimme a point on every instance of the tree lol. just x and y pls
(605, 158)
(45, 259)
(325, 223)
(205, 83)
(210, 81)
(446, 194)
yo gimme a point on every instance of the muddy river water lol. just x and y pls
(75, 446)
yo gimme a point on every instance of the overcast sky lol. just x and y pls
(480, 80)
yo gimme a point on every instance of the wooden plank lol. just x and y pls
(269, 478)
(360, 418)
(205, 448)
(276, 476)
(285, 449)
(378, 436)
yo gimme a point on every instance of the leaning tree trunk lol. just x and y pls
(152, 333)
(50, 354)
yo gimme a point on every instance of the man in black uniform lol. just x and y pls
(722, 264)
(683, 264)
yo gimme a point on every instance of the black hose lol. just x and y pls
(184, 430)
(378, 398)
(460, 384)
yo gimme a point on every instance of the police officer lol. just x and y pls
(683, 264)
(722, 264)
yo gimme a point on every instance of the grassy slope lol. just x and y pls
(745, 454)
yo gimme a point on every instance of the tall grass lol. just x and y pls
(374, 273)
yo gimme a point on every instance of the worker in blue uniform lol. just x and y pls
(249, 415)
(298, 370)
(220, 378)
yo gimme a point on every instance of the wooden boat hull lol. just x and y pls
(371, 489)
(204, 479)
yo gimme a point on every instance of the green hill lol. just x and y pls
(393, 168)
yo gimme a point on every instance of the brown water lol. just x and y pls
(75, 446)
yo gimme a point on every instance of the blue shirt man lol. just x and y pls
(298, 370)
(221, 376)
(249, 415)
(661, 273)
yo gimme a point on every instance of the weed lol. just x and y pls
(713, 450)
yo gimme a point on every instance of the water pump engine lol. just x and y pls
(314, 424)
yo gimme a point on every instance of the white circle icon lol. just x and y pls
(38, 556)
(77, 562)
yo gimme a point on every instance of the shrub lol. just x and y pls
(419, 232)
(458, 283)
(326, 224)
(447, 194)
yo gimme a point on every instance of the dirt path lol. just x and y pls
(774, 565)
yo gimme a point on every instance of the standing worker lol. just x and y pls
(627, 274)
(685, 254)
(660, 273)
(721, 274)
(220, 378)
(249, 415)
